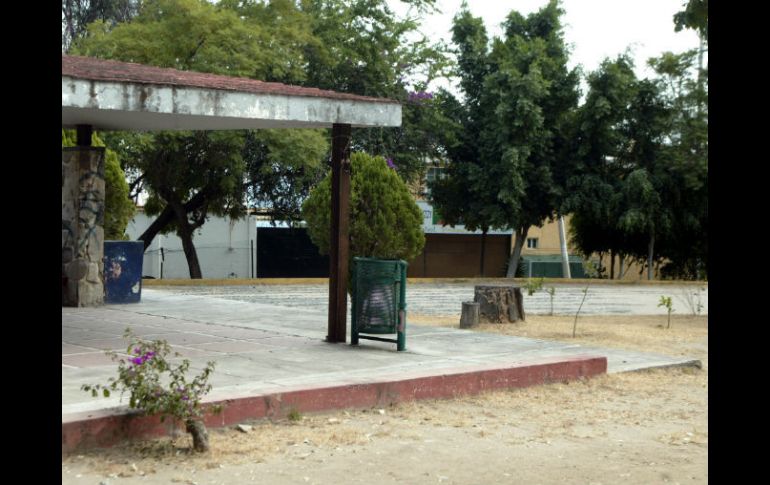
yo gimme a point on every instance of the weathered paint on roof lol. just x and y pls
(91, 68)
(111, 95)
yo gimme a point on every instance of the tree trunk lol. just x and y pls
(599, 266)
(621, 263)
(483, 247)
(185, 234)
(612, 265)
(164, 218)
(513, 262)
(199, 435)
(157, 226)
(650, 251)
(499, 303)
(565, 270)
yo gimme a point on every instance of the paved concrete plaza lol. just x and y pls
(264, 347)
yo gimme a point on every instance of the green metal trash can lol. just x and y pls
(379, 300)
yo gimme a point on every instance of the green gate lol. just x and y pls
(379, 300)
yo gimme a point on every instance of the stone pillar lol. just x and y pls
(82, 226)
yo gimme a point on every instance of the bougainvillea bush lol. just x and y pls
(157, 387)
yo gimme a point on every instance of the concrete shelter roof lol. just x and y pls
(111, 95)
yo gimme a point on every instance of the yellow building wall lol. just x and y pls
(549, 244)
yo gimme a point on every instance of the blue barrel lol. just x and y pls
(123, 271)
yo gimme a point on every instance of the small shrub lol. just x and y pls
(533, 286)
(156, 387)
(666, 302)
(294, 415)
(551, 292)
(589, 268)
(692, 300)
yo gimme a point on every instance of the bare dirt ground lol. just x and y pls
(645, 427)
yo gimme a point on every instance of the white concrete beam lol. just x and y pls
(109, 105)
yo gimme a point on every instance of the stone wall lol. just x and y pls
(82, 221)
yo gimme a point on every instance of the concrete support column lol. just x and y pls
(339, 243)
(82, 219)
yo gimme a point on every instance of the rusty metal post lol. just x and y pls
(339, 242)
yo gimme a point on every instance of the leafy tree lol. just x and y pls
(362, 47)
(355, 47)
(118, 207)
(647, 190)
(518, 98)
(196, 35)
(595, 177)
(281, 168)
(685, 95)
(77, 14)
(694, 16)
(467, 195)
(385, 222)
(210, 163)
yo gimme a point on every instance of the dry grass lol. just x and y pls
(663, 410)
(688, 335)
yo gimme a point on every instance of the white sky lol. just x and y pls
(595, 29)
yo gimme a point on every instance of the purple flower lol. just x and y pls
(137, 361)
(137, 350)
(185, 398)
(418, 96)
(390, 163)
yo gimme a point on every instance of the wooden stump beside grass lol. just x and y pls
(499, 303)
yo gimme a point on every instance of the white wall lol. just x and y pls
(224, 249)
(428, 227)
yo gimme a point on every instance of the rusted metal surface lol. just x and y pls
(339, 241)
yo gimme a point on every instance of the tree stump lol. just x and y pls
(499, 303)
(470, 315)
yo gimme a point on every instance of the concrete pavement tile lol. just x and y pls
(191, 353)
(87, 360)
(242, 333)
(232, 346)
(67, 349)
(74, 335)
(185, 338)
(115, 343)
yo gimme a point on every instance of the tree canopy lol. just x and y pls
(358, 47)
(518, 98)
(385, 221)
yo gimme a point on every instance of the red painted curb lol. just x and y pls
(107, 428)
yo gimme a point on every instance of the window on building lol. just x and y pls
(532, 242)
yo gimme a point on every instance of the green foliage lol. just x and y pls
(533, 285)
(639, 186)
(362, 47)
(513, 137)
(665, 301)
(155, 385)
(77, 14)
(281, 168)
(551, 290)
(118, 207)
(358, 47)
(385, 222)
(694, 16)
(294, 415)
